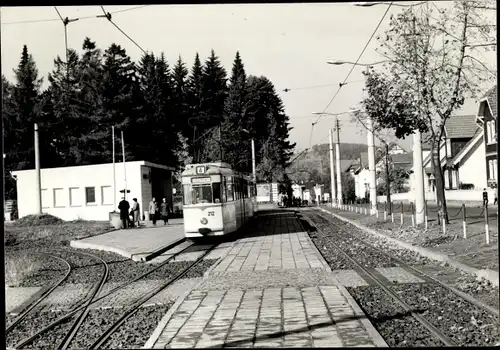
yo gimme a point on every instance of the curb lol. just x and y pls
(370, 328)
(487, 274)
(30, 300)
(78, 244)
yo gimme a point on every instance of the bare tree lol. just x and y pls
(435, 62)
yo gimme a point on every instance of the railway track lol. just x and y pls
(338, 241)
(27, 311)
(81, 310)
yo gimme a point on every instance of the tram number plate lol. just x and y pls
(211, 213)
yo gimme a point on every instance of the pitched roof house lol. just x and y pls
(486, 119)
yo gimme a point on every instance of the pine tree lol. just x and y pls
(214, 91)
(180, 97)
(235, 120)
(25, 112)
(195, 84)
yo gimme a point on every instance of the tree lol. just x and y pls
(433, 68)
(180, 97)
(194, 96)
(235, 121)
(348, 187)
(213, 92)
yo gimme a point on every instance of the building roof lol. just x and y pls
(468, 146)
(461, 126)
(345, 164)
(403, 158)
(491, 97)
(457, 127)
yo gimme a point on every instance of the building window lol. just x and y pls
(90, 195)
(491, 132)
(45, 198)
(75, 199)
(492, 165)
(106, 195)
(59, 199)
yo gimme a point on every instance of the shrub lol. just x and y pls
(464, 186)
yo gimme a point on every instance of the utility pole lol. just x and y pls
(38, 174)
(388, 179)
(332, 173)
(253, 161)
(418, 161)
(124, 168)
(114, 167)
(337, 158)
(372, 178)
(220, 141)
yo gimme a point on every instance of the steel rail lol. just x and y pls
(425, 276)
(68, 338)
(135, 306)
(25, 313)
(429, 326)
(79, 307)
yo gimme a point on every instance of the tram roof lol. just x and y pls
(213, 168)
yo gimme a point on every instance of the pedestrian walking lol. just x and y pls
(485, 198)
(153, 210)
(124, 206)
(165, 209)
(136, 210)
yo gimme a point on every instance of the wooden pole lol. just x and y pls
(114, 168)
(38, 174)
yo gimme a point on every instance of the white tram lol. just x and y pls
(217, 199)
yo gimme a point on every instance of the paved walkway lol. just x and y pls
(272, 289)
(136, 243)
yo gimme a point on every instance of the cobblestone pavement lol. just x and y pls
(272, 288)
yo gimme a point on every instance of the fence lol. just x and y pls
(451, 196)
(399, 210)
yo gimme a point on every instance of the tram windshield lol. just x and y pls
(199, 194)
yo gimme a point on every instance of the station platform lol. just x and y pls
(138, 244)
(271, 288)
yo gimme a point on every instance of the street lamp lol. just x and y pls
(370, 4)
(253, 154)
(339, 63)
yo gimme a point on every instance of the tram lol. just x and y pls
(217, 199)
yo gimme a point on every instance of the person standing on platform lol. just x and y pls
(165, 209)
(153, 210)
(136, 210)
(123, 206)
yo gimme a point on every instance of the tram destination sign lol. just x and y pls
(200, 180)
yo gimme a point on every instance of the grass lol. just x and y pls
(472, 251)
(38, 231)
(18, 267)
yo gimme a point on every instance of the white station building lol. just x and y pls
(86, 191)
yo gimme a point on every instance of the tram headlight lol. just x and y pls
(204, 221)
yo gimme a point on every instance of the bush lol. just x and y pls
(464, 186)
(38, 220)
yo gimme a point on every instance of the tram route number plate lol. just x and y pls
(200, 180)
(211, 213)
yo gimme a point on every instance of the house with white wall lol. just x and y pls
(462, 157)
(486, 119)
(86, 191)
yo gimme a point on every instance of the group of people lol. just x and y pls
(285, 202)
(131, 216)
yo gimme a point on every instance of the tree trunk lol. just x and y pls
(388, 180)
(438, 174)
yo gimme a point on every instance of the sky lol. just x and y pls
(288, 43)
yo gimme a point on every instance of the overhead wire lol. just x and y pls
(350, 71)
(79, 18)
(108, 16)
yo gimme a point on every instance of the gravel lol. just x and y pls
(134, 333)
(463, 322)
(331, 237)
(395, 325)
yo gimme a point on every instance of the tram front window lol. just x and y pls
(200, 194)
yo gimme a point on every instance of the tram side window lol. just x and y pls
(237, 194)
(229, 189)
(245, 189)
(217, 192)
(223, 189)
